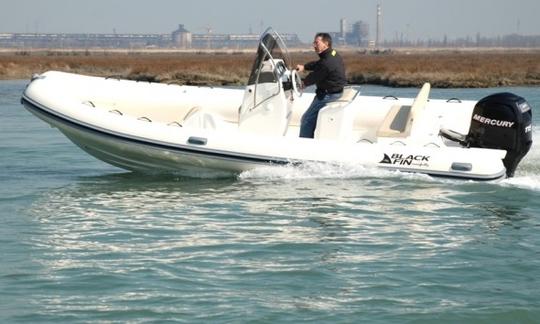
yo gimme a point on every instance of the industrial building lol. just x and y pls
(39, 40)
(356, 35)
(180, 38)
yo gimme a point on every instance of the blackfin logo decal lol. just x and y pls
(386, 159)
(402, 159)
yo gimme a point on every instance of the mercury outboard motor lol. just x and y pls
(502, 121)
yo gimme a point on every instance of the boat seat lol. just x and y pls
(349, 93)
(399, 121)
(335, 120)
(396, 121)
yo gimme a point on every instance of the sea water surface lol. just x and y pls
(82, 241)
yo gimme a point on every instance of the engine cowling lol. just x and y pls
(502, 121)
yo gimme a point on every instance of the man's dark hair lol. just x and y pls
(325, 38)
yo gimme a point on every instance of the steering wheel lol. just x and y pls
(296, 83)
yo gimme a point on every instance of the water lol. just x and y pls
(82, 241)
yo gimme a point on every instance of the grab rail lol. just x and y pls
(116, 111)
(89, 103)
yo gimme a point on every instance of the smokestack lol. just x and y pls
(378, 37)
(343, 27)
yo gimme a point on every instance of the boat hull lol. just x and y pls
(140, 154)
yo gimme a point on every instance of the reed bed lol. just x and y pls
(398, 69)
(446, 70)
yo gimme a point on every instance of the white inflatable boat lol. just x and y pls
(153, 127)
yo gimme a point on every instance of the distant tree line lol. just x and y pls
(512, 40)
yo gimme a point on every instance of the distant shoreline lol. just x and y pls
(443, 68)
(306, 49)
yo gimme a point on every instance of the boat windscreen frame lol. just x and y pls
(266, 48)
(271, 48)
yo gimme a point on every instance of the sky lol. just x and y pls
(413, 19)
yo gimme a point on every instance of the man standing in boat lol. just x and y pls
(328, 74)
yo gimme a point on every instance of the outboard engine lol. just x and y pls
(502, 121)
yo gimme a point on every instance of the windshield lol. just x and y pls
(271, 49)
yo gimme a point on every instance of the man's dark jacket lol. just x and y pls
(328, 73)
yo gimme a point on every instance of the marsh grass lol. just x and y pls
(446, 70)
(442, 70)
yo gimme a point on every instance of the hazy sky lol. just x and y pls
(414, 18)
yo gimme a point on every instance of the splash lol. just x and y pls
(531, 182)
(320, 170)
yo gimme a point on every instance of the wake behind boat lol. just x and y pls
(152, 127)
